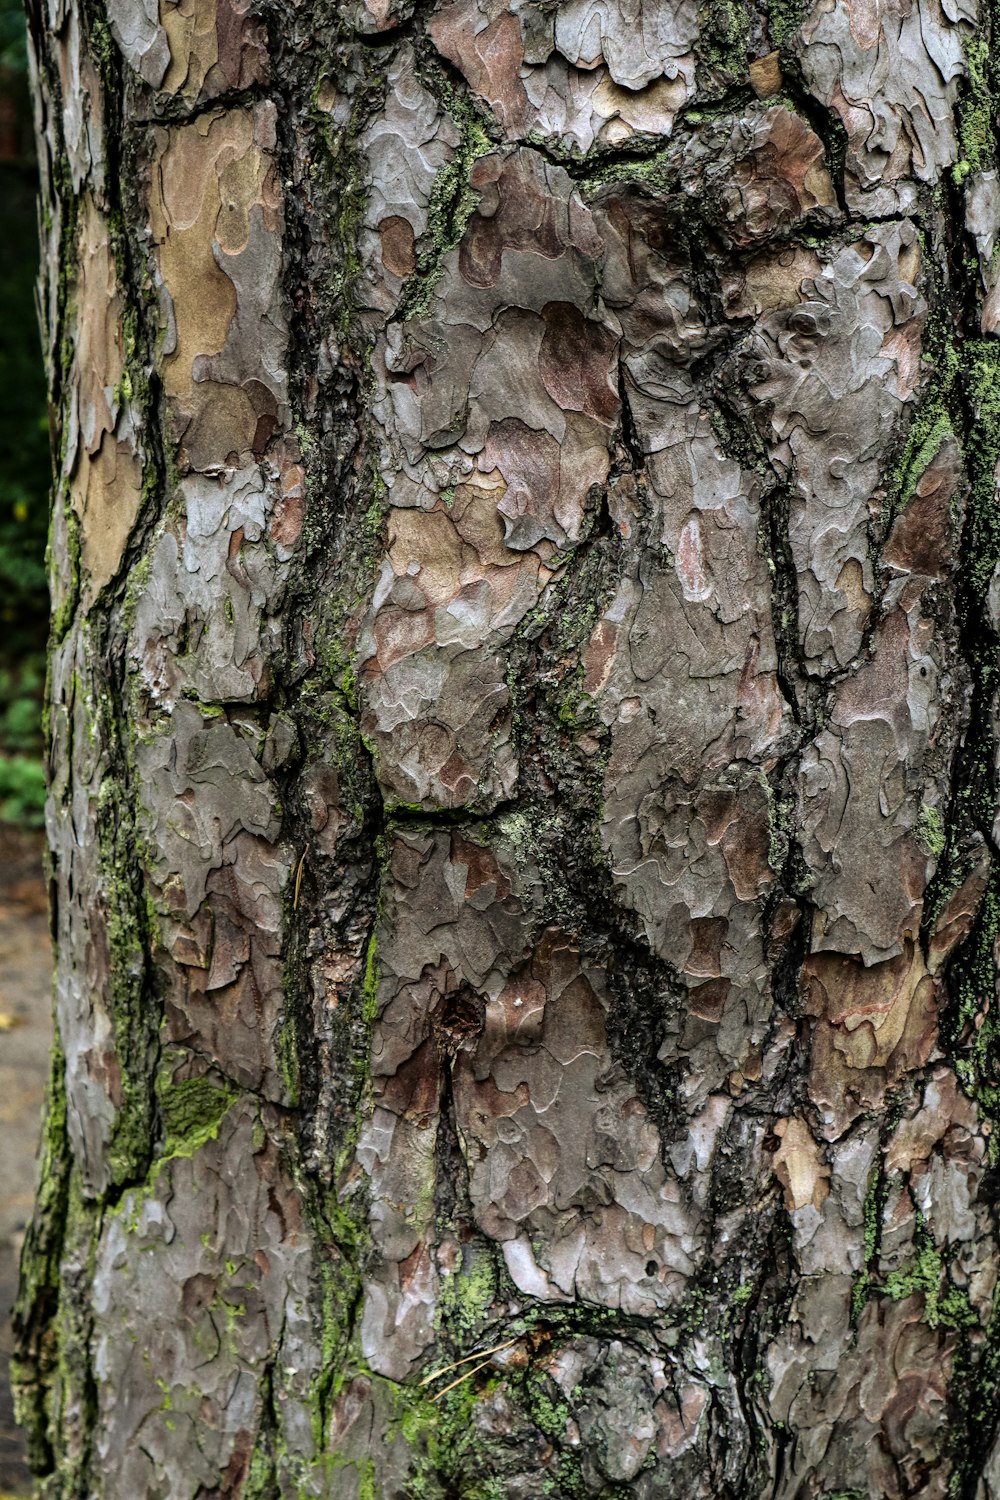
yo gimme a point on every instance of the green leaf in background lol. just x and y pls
(22, 790)
(13, 41)
(25, 468)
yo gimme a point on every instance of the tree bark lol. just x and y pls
(522, 712)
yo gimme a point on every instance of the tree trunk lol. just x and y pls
(523, 751)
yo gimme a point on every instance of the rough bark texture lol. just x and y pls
(523, 722)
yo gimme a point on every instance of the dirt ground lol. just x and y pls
(25, 1037)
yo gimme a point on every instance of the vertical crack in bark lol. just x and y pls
(630, 436)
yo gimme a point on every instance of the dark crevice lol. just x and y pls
(601, 527)
(468, 817)
(786, 966)
(749, 1349)
(629, 431)
(391, 36)
(171, 110)
(795, 686)
(969, 1023)
(267, 1435)
(593, 169)
(646, 1015)
(826, 124)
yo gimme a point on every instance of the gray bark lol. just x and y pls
(523, 746)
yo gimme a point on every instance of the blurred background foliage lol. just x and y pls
(13, 45)
(25, 468)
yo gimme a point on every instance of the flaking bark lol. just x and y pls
(522, 705)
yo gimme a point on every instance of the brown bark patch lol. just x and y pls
(872, 1026)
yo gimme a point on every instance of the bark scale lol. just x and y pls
(523, 746)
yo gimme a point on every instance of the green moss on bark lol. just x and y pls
(976, 132)
(36, 1310)
(134, 1018)
(53, 1378)
(192, 1112)
(453, 200)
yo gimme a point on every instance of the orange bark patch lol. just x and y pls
(800, 1169)
(872, 1026)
